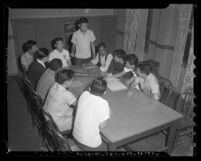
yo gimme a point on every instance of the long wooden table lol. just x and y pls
(133, 117)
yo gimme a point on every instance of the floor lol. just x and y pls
(22, 136)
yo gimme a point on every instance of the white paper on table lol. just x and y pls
(114, 84)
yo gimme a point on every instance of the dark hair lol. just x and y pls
(57, 39)
(120, 53)
(41, 53)
(132, 59)
(63, 75)
(144, 67)
(28, 45)
(55, 64)
(101, 44)
(76, 24)
(98, 86)
(83, 20)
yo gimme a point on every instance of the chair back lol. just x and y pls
(21, 68)
(54, 139)
(166, 89)
(185, 103)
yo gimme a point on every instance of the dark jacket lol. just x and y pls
(35, 71)
(115, 67)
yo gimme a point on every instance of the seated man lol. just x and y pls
(59, 100)
(60, 53)
(103, 57)
(29, 49)
(48, 78)
(117, 64)
(91, 115)
(37, 67)
(147, 81)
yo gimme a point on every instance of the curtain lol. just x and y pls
(130, 30)
(184, 19)
(189, 76)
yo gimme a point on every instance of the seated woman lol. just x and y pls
(117, 64)
(59, 100)
(147, 81)
(103, 57)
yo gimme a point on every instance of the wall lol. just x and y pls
(11, 57)
(47, 13)
(45, 30)
(43, 25)
(120, 14)
(162, 38)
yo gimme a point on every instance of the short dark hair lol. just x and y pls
(144, 68)
(76, 24)
(63, 75)
(41, 53)
(55, 64)
(57, 39)
(28, 45)
(83, 20)
(98, 86)
(120, 53)
(101, 44)
(132, 59)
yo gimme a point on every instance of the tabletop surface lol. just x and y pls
(130, 115)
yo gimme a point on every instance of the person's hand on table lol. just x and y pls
(129, 93)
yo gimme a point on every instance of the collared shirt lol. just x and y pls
(91, 112)
(26, 60)
(39, 61)
(58, 103)
(82, 42)
(45, 82)
(149, 86)
(104, 63)
(63, 56)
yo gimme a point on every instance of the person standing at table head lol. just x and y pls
(29, 49)
(148, 82)
(60, 100)
(103, 57)
(60, 53)
(47, 79)
(83, 49)
(37, 67)
(91, 115)
(117, 64)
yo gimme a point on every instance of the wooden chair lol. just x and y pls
(21, 68)
(54, 140)
(166, 89)
(185, 106)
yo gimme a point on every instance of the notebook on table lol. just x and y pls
(114, 84)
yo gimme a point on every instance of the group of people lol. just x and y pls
(51, 77)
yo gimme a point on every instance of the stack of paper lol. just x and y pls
(114, 84)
